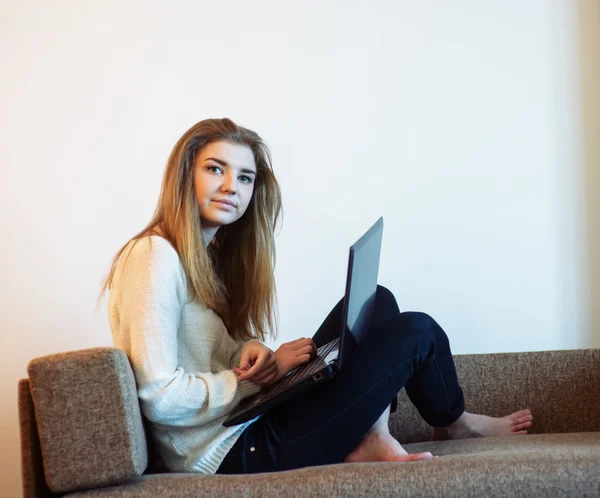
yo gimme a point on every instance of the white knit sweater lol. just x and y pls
(182, 358)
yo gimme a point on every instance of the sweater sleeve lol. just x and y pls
(237, 354)
(152, 291)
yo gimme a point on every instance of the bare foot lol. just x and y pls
(472, 425)
(380, 446)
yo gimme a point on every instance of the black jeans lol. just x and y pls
(324, 424)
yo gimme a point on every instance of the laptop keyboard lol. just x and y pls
(302, 372)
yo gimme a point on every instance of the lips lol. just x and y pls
(224, 202)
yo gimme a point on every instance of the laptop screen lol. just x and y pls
(361, 286)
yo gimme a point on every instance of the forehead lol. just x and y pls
(236, 155)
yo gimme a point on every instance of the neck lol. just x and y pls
(208, 233)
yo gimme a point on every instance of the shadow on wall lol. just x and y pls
(588, 20)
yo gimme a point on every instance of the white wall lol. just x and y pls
(470, 126)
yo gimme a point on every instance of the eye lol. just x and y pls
(247, 179)
(214, 167)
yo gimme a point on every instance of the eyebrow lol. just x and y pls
(224, 163)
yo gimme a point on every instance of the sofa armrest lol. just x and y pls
(560, 387)
(88, 419)
(32, 469)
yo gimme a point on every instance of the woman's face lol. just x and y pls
(224, 177)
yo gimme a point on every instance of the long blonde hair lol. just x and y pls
(234, 275)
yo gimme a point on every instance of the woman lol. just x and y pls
(192, 297)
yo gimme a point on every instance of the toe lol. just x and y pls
(520, 413)
(419, 456)
(520, 420)
(518, 427)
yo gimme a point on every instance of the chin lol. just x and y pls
(218, 221)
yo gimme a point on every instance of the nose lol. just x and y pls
(229, 184)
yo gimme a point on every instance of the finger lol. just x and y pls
(238, 371)
(305, 341)
(301, 360)
(273, 367)
(268, 380)
(249, 373)
(258, 365)
(270, 361)
(261, 359)
(294, 342)
(519, 433)
(260, 377)
(303, 344)
(305, 350)
(248, 356)
(260, 381)
(269, 366)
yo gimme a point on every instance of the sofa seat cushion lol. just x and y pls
(533, 465)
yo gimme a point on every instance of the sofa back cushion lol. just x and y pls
(88, 419)
(560, 387)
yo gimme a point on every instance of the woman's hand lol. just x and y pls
(293, 354)
(257, 363)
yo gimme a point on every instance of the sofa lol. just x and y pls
(82, 435)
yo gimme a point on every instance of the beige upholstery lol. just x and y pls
(88, 420)
(562, 388)
(558, 465)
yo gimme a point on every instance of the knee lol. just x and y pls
(419, 320)
(422, 324)
(384, 291)
(383, 294)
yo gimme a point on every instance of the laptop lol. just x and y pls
(358, 304)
